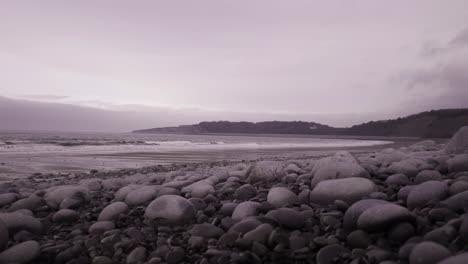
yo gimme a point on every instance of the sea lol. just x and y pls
(23, 153)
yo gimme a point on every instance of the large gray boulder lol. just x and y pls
(459, 142)
(171, 209)
(339, 166)
(349, 190)
(4, 235)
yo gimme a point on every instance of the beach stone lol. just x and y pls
(292, 168)
(404, 192)
(287, 217)
(4, 235)
(245, 192)
(267, 171)
(65, 216)
(31, 203)
(328, 254)
(199, 189)
(8, 198)
(245, 209)
(93, 184)
(463, 230)
(354, 211)
(259, 234)
(428, 253)
(17, 221)
(172, 209)
(113, 211)
(281, 197)
(458, 187)
(458, 163)
(349, 190)
(425, 192)
(458, 144)
(358, 239)
(227, 209)
(397, 180)
(401, 232)
(442, 235)
(57, 196)
(408, 167)
(137, 256)
(381, 217)
(102, 260)
(21, 253)
(427, 175)
(206, 230)
(457, 202)
(341, 165)
(101, 227)
(141, 195)
(114, 183)
(458, 259)
(245, 226)
(122, 193)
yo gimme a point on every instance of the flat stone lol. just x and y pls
(172, 209)
(425, 192)
(245, 226)
(113, 211)
(428, 253)
(407, 167)
(21, 253)
(382, 217)
(349, 190)
(281, 197)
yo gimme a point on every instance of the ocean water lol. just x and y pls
(53, 142)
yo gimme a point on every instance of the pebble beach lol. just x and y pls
(398, 205)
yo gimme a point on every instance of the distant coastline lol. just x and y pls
(431, 124)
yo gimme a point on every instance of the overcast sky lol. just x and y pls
(342, 62)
